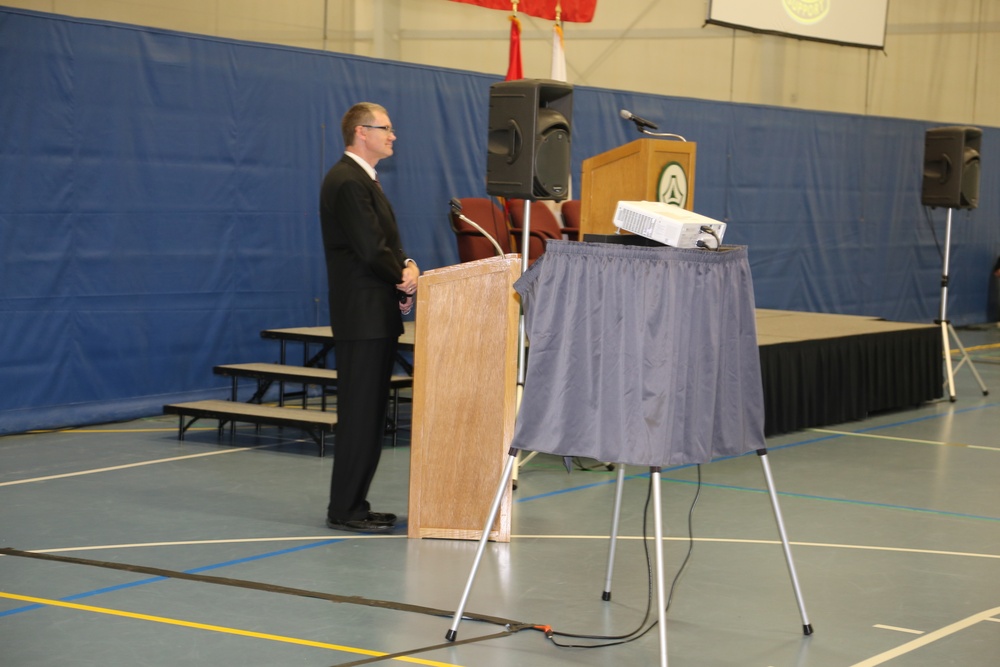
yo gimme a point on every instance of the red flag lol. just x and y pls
(514, 69)
(577, 11)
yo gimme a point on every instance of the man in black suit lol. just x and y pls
(371, 281)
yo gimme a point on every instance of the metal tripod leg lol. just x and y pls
(806, 625)
(494, 508)
(945, 324)
(947, 361)
(966, 359)
(661, 597)
(943, 312)
(616, 514)
(522, 335)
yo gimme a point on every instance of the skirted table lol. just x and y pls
(642, 356)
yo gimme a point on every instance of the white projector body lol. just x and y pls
(667, 224)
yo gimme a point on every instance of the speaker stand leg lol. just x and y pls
(943, 313)
(947, 330)
(966, 359)
(950, 372)
(522, 337)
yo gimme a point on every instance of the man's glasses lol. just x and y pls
(387, 128)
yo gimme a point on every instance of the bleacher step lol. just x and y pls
(316, 422)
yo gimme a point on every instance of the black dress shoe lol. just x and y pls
(358, 525)
(382, 517)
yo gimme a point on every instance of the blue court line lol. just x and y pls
(865, 503)
(549, 494)
(872, 429)
(809, 441)
(804, 496)
(960, 411)
(197, 570)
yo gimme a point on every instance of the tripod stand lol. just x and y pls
(948, 330)
(655, 474)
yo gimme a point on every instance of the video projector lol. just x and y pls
(671, 225)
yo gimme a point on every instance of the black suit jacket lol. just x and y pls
(364, 255)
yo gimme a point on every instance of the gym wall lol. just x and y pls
(158, 205)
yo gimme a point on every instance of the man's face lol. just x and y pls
(377, 141)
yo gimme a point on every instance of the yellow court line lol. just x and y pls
(334, 536)
(70, 431)
(732, 540)
(898, 439)
(216, 628)
(979, 348)
(232, 540)
(105, 431)
(929, 638)
(230, 450)
(898, 629)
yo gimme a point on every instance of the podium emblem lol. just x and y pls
(672, 187)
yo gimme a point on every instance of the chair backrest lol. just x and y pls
(472, 244)
(543, 225)
(571, 219)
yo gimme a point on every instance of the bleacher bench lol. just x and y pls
(315, 422)
(325, 378)
(234, 411)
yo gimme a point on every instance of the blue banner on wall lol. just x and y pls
(158, 205)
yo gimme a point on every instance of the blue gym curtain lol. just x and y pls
(158, 202)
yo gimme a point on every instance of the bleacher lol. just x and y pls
(317, 422)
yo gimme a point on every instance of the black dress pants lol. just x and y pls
(364, 368)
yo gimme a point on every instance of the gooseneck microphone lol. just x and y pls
(456, 207)
(639, 122)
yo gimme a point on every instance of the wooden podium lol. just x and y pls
(464, 398)
(637, 171)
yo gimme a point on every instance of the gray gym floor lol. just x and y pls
(894, 523)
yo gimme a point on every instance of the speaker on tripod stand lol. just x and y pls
(528, 148)
(951, 167)
(951, 180)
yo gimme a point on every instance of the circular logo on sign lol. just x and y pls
(672, 188)
(807, 11)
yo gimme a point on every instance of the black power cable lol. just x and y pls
(617, 640)
(510, 626)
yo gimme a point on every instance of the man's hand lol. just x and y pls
(406, 305)
(410, 274)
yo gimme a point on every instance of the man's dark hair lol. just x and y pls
(362, 113)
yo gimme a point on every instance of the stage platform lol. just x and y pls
(817, 368)
(820, 369)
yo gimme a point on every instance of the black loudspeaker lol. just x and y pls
(951, 167)
(528, 147)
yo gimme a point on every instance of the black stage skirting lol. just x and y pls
(817, 369)
(820, 369)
